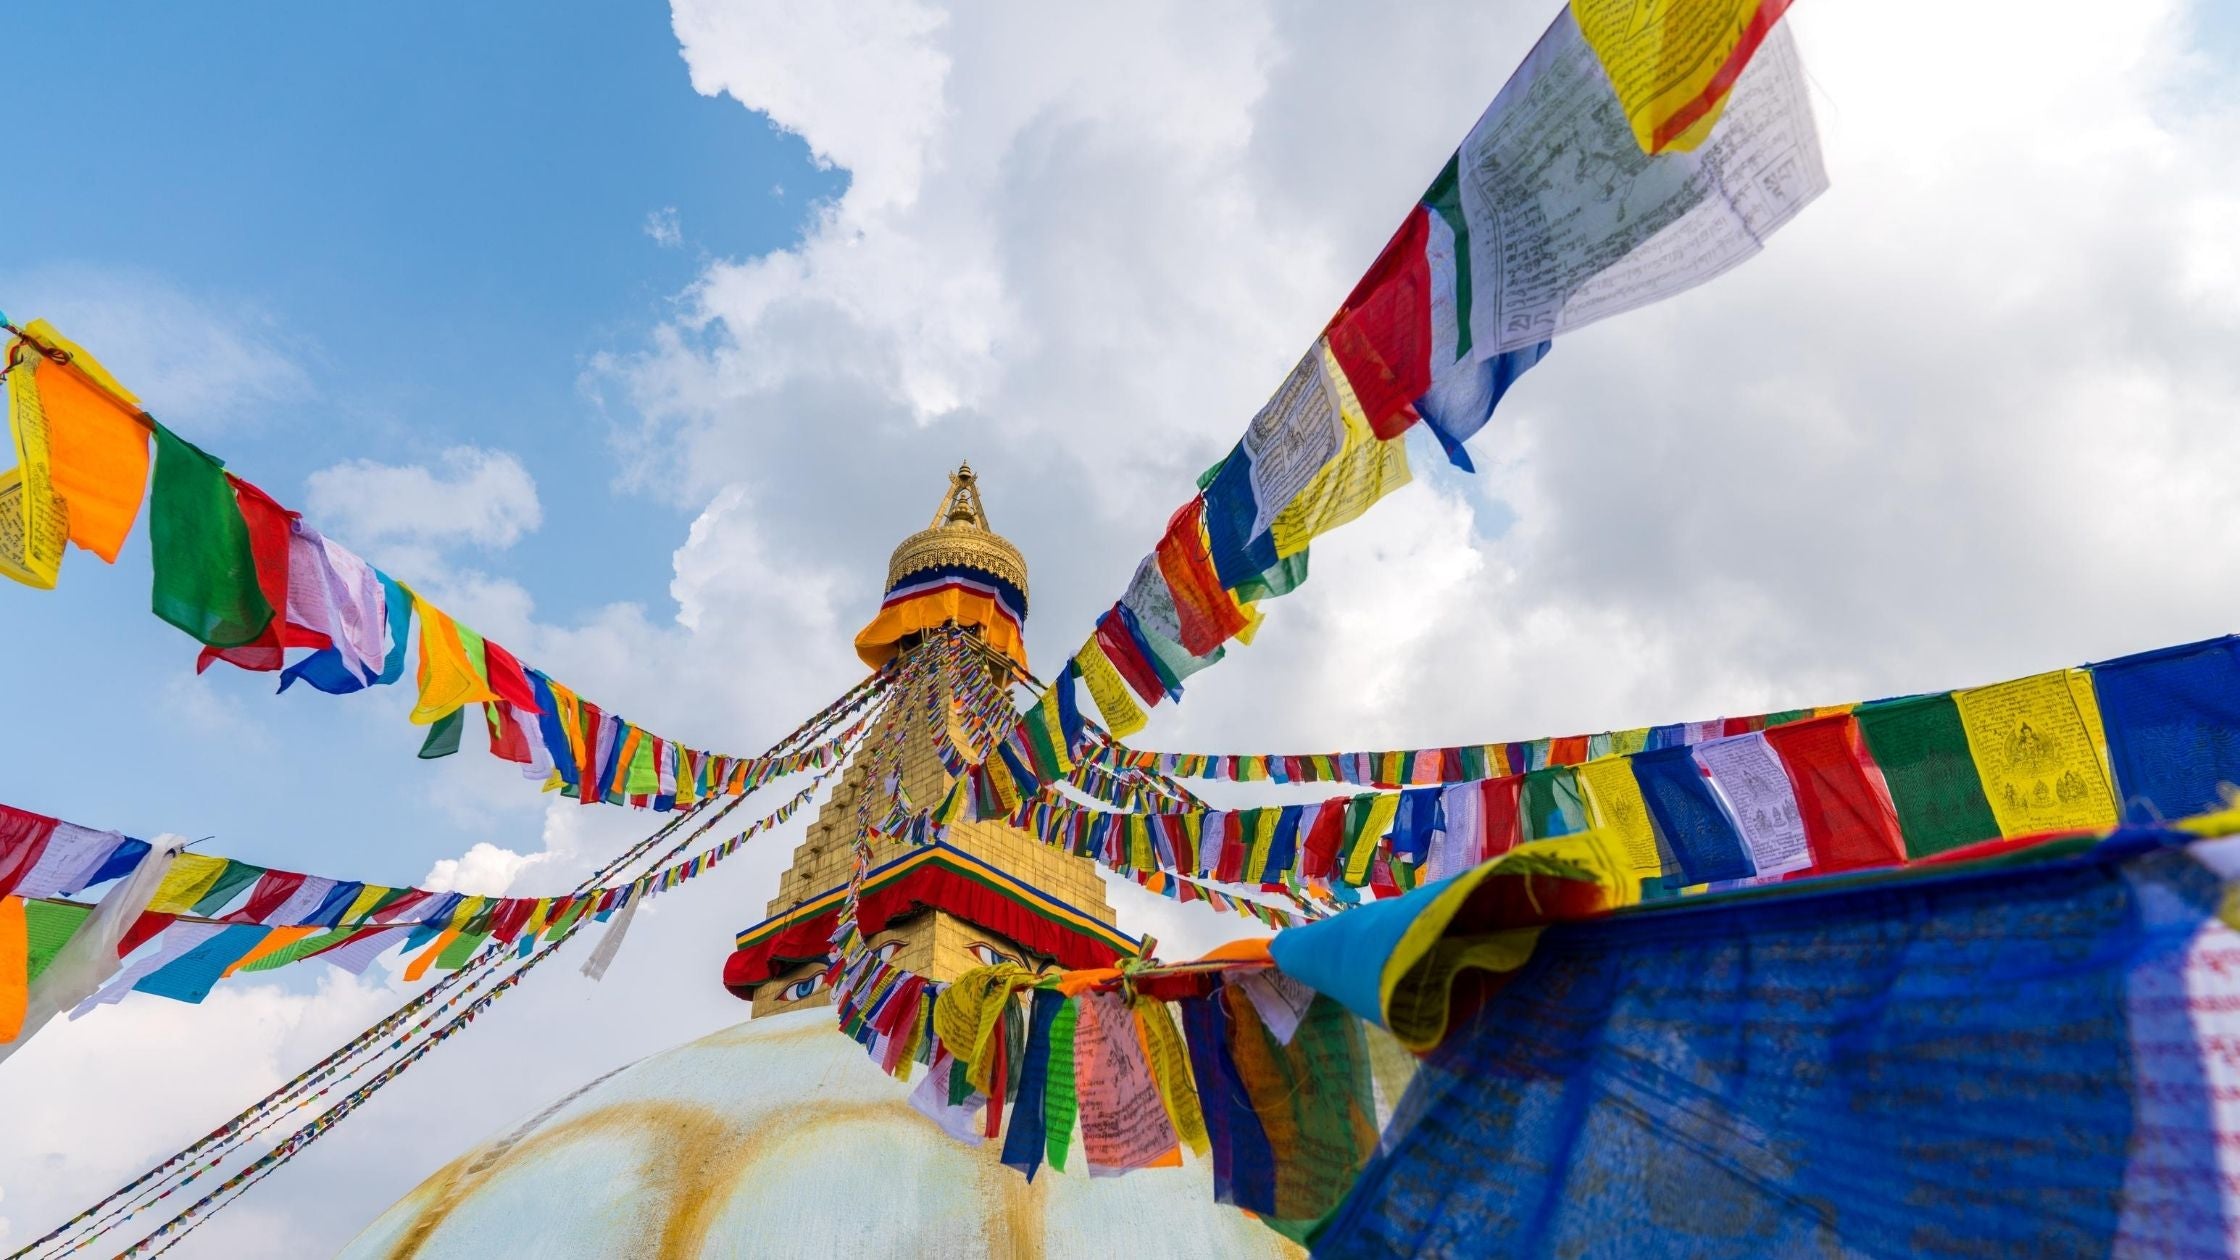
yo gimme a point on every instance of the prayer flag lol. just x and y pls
(2036, 745)
(1381, 337)
(1922, 750)
(34, 520)
(448, 677)
(96, 442)
(272, 541)
(2173, 726)
(1672, 64)
(205, 575)
(1556, 243)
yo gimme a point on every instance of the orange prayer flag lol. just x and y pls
(419, 966)
(97, 445)
(274, 941)
(15, 966)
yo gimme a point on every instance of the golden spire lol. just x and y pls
(960, 535)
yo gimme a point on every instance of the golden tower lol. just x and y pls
(955, 573)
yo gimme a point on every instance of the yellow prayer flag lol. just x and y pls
(34, 521)
(1364, 471)
(2039, 750)
(965, 1016)
(447, 677)
(1614, 798)
(1170, 1073)
(1122, 716)
(1672, 62)
(190, 876)
(1259, 841)
(98, 445)
(1383, 808)
(362, 904)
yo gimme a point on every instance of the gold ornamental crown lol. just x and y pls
(959, 535)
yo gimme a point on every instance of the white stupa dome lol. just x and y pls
(780, 1138)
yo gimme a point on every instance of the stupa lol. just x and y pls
(779, 1136)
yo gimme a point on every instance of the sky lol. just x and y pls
(637, 338)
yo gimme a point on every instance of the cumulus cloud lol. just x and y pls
(476, 496)
(663, 228)
(207, 363)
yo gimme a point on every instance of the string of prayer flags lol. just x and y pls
(253, 583)
(1679, 809)
(206, 917)
(1707, 146)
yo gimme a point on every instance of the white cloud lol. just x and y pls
(664, 229)
(205, 364)
(473, 496)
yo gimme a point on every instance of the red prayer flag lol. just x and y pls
(1497, 807)
(1207, 613)
(1232, 845)
(1319, 852)
(269, 532)
(508, 679)
(1120, 648)
(273, 888)
(1381, 337)
(508, 741)
(1848, 821)
(143, 928)
(23, 839)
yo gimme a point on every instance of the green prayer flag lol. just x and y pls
(443, 735)
(1551, 803)
(205, 574)
(1058, 1102)
(50, 925)
(304, 948)
(644, 778)
(567, 919)
(230, 880)
(1474, 761)
(1284, 578)
(461, 949)
(1923, 751)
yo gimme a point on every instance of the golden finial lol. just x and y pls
(960, 534)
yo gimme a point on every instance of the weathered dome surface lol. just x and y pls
(780, 1138)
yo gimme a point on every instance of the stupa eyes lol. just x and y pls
(990, 956)
(800, 989)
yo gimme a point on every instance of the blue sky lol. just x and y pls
(437, 225)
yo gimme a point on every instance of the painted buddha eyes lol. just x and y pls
(989, 955)
(800, 989)
(886, 953)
